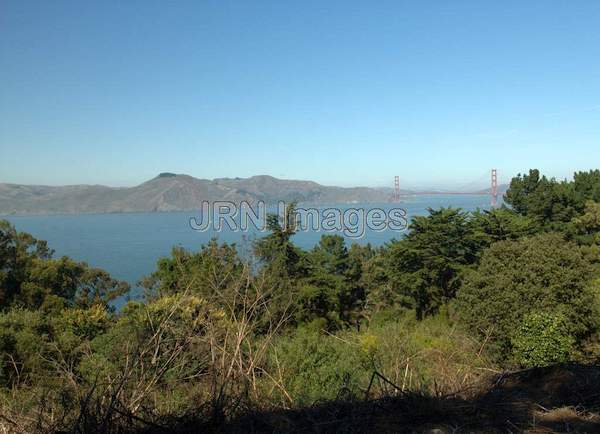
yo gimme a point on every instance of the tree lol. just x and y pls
(520, 189)
(276, 251)
(330, 290)
(18, 250)
(550, 202)
(514, 278)
(587, 185)
(427, 264)
(31, 278)
(585, 230)
(206, 272)
(587, 226)
(357, 278)
(546, 200)
(502, 224)
(324, 282)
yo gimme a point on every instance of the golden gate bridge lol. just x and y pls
(493, 193)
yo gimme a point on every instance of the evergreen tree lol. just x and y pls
(515, 278)
(427, 264)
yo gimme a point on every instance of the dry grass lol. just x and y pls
(558, 399)
(543, 400)
(565, 419)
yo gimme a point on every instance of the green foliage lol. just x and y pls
(587, 185)
(85, 322)
(546, 200)
(23, 336)
(206, 272)
(501, 224)
(587, 226)
(314, 366)
(550, 202)
(33, 343)
(515, 278)
(30, 278)
(522, 190)
(414, 355)
(428, 263)
(276, 251)
(324, 285)
(431, 312)
(169, 323)
(329, 288)
(381, 294)
(18, 251)
(428, 354)
(543, 338)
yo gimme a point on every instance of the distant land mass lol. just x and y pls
(173, 192)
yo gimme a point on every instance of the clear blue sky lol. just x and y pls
(340, 92)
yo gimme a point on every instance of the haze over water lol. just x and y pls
(128, 245)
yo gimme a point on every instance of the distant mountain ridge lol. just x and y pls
(501, 190)
(177, 192)
(174, 192)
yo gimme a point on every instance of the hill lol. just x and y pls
(173, 192)
(501, 190)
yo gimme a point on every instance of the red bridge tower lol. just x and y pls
(494, 190)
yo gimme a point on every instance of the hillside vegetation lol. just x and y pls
(474, 322)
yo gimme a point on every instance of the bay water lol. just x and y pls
(128, 245)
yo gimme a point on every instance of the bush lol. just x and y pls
(542, 339)
(544, 273)
(313, 366)
(431, 355)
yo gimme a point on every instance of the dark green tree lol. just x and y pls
(587, 225)
(514, 278)
(276, 252)
(210, 270)
(521, 188)
(18, 250)
(587, 185)
(501, 224)
(325, 293)
(30, 278)
(428, 263)
(550, 202)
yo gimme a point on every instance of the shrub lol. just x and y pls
(542, 339)
(515, 278)
(433, 355)
(313, 366)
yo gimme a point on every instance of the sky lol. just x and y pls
(339, 92)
